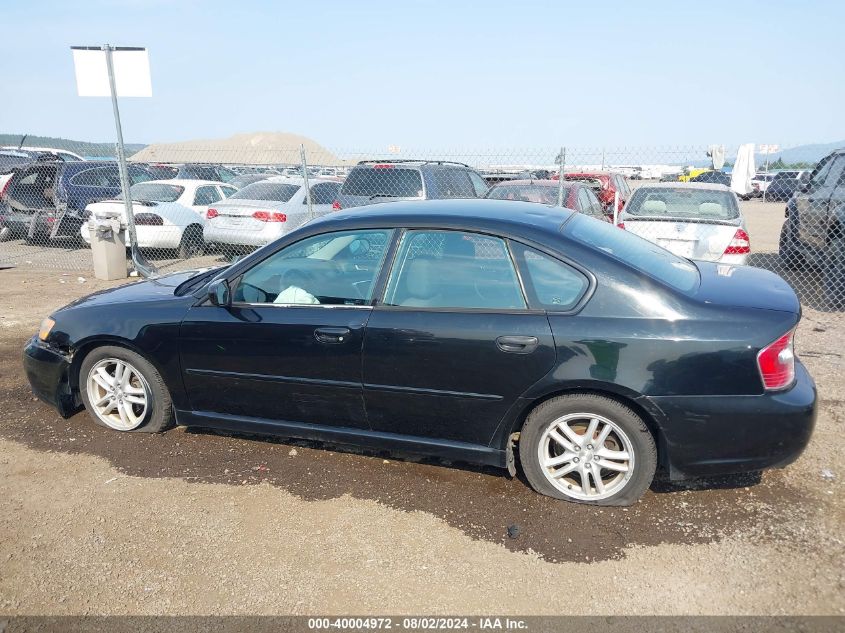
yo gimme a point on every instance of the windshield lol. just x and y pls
(543, 194)
(155, 192)
(275, 191)
(683, 202)
(388, 182)
(635, 251)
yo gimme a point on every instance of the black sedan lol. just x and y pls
(463, 329)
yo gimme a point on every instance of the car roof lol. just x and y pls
(184, 182)
(297, 180)
(535, 181)
(711, 186)
(480, 214)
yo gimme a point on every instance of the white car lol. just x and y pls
(264, 211)
(760, 183)
(694, 220)
(168, 213)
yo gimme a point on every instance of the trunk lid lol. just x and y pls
(745, 286)
(693, 240)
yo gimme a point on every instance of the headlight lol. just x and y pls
(46, 325)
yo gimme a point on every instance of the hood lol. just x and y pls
(153, 289)
(745, 286)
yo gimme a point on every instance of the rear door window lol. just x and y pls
(549, 283)
(102, 177)
(206, 195)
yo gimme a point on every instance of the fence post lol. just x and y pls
(141, 265)
(305, 178)
(561, 160)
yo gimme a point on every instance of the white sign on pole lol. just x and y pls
(131, 72)
(768, 149)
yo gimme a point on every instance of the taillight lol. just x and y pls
(384, 166)
(5, 188)
(211, 214)
(777, 363)
(148, 219)
(336, 205)
(270, 216)
(620, 225)
(740, 244)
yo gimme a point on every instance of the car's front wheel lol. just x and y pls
(587, 448)
(124, 392)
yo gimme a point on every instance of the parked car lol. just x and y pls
(714, 177)
(606, 186)
(168, 213)
(243, 180)
(760, 183)
(784, 184)
(191, 171)
(695, 220)
(576, 195)
(264, 211)
(59, 154)
(399, 327)
(384, 181)
(814, 231)
(47, 200)
(691, 172)
(12, 160)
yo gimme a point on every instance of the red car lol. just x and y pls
(576, 195)
(605, 184)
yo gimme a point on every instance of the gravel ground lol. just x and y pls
(93, 522)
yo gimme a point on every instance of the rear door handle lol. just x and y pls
(517, 344)
(332, 335)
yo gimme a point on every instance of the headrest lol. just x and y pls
(710, 208)
(654, 206)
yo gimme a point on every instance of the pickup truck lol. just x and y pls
(814, 231)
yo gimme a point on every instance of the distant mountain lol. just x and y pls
(83, 148)
(802, 153)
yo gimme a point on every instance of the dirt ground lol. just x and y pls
(96, 522)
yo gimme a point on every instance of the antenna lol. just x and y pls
(23, 138)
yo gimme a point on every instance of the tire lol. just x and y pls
(833, 274)
(192, 243)
(577, 412)
(156, 414)
(788, 253)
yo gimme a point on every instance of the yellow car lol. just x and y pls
(689, 174)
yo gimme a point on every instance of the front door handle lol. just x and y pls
(517, 344)
(332, 334)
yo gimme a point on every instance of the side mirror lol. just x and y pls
(218, 293)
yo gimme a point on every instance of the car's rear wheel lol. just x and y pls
(587, 448)
(788, 251)
(192, 243)
(124, 392)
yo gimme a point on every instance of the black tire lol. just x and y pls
(192, 243)
(639, 438)
(788, 252)
(159, 415)
(833, 273)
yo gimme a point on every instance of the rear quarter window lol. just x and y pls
(634, 251)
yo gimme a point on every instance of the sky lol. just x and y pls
(439, 74)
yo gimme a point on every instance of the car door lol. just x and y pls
(452, 345)
(288, 349)
(813, 204)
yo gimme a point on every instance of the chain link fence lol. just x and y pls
(197, 205)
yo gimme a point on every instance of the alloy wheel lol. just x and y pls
(118, 393)
(587, 457)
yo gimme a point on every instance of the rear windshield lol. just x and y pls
(527, 193)
(155, 192)
(388, 182)
(635, 251)
(592, 183)
(8, 161)
(275, 191)
(682, 202)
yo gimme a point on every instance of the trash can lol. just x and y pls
(108, 246)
